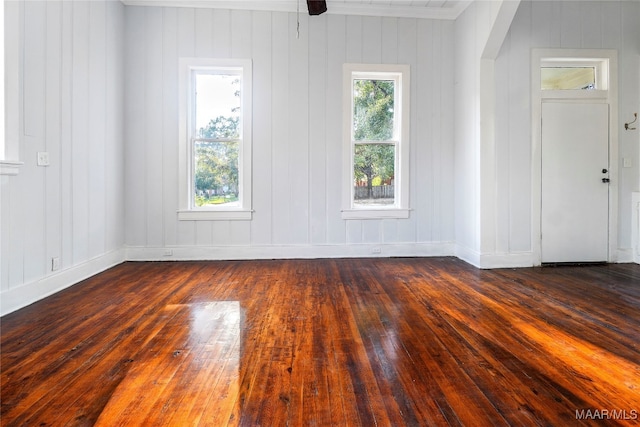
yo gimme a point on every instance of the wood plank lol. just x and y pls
(407, 341)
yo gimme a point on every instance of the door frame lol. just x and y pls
(608, 93)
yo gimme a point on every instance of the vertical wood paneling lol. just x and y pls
(53, 206)
(114, 155)
(34, 73)
(280, 157)
(297, 109)
(407, 54)
(389, 40)
(61, 210)
(66, 115)
(317, 131)
(298, 137)
(97, 129)
(241, 47)
(591, 15)
(502, 150)
(186, 230)
(80, 131)
(222, 33)
(336, 33)
(33, 179)
(153, 152)
(5, 213)
(371, 40)
(262, 144)
(353, 54)
(519, 130)
(570, 28)
(169, 128)
(136, 166)
(424, 85)
(611, 24)
(447, 126)
(540, 23)
(551, 25)
(629, 90)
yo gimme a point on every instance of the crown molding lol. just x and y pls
(334, 7)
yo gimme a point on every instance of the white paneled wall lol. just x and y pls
(551, 24)
(297, 131)
(96, 86)
(70, 82)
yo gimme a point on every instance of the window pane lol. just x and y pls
(373, 110)
(216, 173)
(568, 78)
(374, 174)
(217, 105)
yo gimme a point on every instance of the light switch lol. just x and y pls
(626, 162)
(43, 158)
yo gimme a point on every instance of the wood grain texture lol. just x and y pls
(327, 342)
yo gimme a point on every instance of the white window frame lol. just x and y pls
(187, 209)
(10, 94)
(400, 73)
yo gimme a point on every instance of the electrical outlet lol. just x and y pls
(168, 252)
(43, 158)
(55, 263)
(376, 250)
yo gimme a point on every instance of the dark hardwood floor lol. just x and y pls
(363, 342)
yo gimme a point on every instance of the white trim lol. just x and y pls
(333, 7)
(538, 56)
(625, 256)
(24, 295)
(12, 86)
(196, 253)
(10, 168)
(2, 106)
(210, 215)
(494, 260)
(401, 74)
(186, 212)
(375, 213)
(506, 260)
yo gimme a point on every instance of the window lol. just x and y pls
(376, 131)
(568, 78)
(573, 74)
(215, 139)
(9, 89)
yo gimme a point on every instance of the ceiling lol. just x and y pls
(429, 9)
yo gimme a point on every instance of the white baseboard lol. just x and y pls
(495, 260)
(468, 255)
(635, 227)
(193, 253)
(624, 255)
(511, 260)
(28, 293)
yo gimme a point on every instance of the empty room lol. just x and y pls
(324, 213)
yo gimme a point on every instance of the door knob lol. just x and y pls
(606, 180)
(604, 171)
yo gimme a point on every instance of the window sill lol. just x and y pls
(8, 167)
(221, 215)
(375, 213)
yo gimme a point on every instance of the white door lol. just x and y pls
(575, 190)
